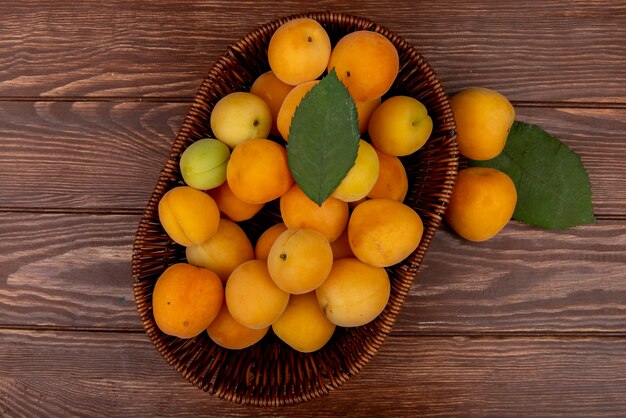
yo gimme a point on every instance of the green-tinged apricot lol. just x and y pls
(203, 163)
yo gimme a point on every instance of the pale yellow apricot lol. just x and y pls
(362, 176)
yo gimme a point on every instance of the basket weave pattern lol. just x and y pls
(270, 373)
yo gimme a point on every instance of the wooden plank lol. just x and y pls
(523, 280)
(118, 48)
(112, 374)
(108, 155)
(84, 155)
(67, 270)
(73, 270)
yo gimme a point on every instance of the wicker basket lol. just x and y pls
(270, 373)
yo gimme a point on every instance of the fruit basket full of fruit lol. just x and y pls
(291, 218)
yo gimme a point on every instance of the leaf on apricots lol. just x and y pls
(323, 138)
(552, 185)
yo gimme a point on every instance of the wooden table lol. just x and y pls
(92, 93)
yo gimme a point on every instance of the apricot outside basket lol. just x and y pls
(270, 373)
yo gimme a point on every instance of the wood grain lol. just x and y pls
(73, 271)
(92, 93)
(539, 52)
(67, 270)
(112, 374)
(84, 155)
(108, 155)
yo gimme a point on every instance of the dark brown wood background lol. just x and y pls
(530, 323)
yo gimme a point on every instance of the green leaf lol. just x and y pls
(552, 185)
(323, 138)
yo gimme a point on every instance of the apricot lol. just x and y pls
(366, 62)
(298, 211)
(258, 172)
(354, 293)
(483, 120)
(203, 163)
(224, 251)
(240, 116)
(252, 297)
(233, 207)
(365, 111)
(392, 182)
(228, 333)
(400, 126)
(341, 246)
(273, 91)
(362, 176)
(300, 260)
(303, 326)
(267, 239)
(383, 232)
(299, 51)
(288, 108)
(482, 202)
(189, 216)
(186, 299)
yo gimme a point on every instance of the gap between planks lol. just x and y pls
(139, 212)
(184, 99)
(469, 334)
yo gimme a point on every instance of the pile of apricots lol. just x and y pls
(323, 266)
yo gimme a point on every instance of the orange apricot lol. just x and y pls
(189, 216)
(288, 108)
(299, 51)
(298, 211)
(266, 240)
(482, 203)
(252, 297)
(341, 246)
(366, 62)
(299, 260)
(230, 205)
(273, 91)
(383, 232)
(303, 326)
(365, 110)
(258, 172)
(392, 182)
(186, 299)
(228, 333)
(224, 251)
(354, 293)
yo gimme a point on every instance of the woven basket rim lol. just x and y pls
(169, 174)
